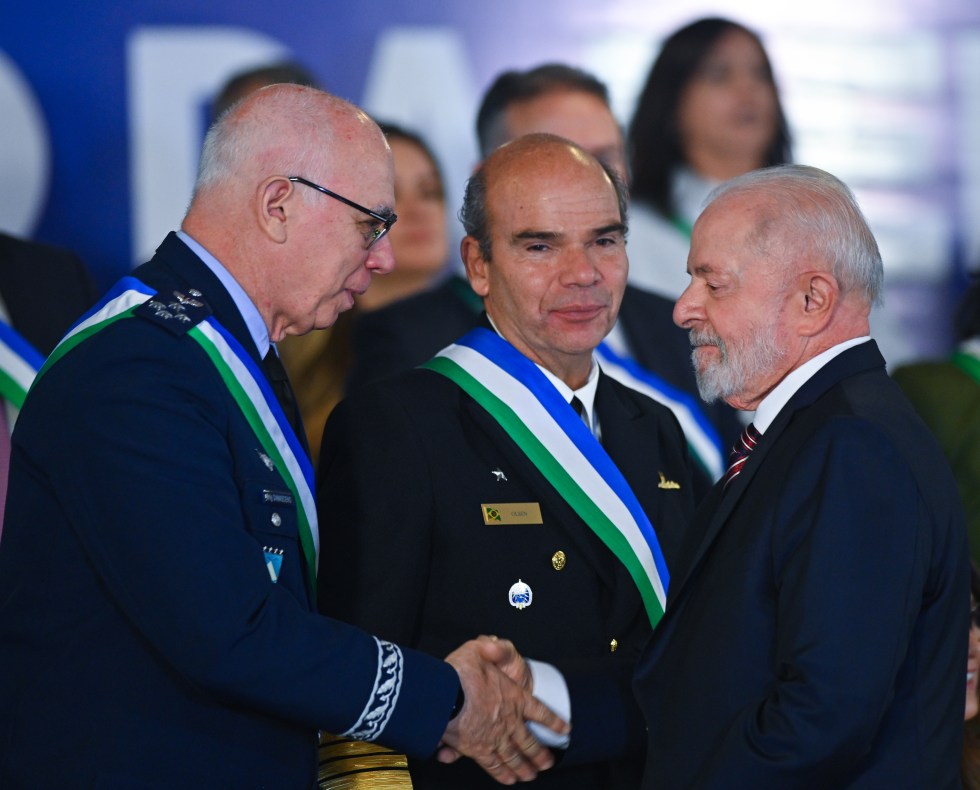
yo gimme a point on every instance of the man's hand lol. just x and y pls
(503, 653)
(491, 726)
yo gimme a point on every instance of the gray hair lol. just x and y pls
(252, 133)
(818, 211)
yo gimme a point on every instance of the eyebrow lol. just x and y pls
(550, 235)
(616, 227)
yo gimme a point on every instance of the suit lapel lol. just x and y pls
(714, 512)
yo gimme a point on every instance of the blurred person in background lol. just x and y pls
(242, 83)
(946, 394)
(709, 111)
(43, 290)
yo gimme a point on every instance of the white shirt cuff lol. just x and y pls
(550, 688)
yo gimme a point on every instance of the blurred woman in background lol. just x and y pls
(420, 238)
(709, 111)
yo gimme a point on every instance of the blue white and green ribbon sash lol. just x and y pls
(247, 385)
(19, 364)
(703, 440)
(533, 413)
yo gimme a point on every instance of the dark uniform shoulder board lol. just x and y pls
(175, 310)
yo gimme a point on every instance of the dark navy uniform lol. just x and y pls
(142, 639)
(406, 467)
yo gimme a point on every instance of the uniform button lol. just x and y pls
(276, 519)
(613, 645)
(558, 560)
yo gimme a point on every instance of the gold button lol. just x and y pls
(558, 560)
(613, 645)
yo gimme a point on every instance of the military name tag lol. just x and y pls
(512, 513)
(273, 497)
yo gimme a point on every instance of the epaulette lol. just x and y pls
(176, 311)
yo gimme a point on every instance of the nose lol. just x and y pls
(381, 257)
(686, 308)
(579, 268)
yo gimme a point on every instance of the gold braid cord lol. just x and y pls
(356, 765)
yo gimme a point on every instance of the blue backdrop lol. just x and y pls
(103, 104)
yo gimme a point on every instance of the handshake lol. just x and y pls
(491, 727)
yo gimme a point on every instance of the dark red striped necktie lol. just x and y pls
(740, 453)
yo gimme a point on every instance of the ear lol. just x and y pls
(476, 266)
(820, 293)
(270, 207)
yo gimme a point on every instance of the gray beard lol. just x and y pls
(739, 365)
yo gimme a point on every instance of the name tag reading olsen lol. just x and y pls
(512, 513)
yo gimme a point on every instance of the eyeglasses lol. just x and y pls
(377, 233)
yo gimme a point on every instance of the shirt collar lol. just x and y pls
(250, 313)
(585, 393)
(774, 402)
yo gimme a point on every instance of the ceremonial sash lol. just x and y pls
(246, 384)
(532, 412)
(703, 440)
(19, 364)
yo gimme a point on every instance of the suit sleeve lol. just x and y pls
(162, 510)
(850, 558)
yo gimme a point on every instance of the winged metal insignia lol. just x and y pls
(188, 301)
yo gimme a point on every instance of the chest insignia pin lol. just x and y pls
(520, 595)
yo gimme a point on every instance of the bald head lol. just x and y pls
(524, 160)
(281, 128)
(299, 253)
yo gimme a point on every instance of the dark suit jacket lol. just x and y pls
(44, 288)
(141, 639)
(819, 637)
(411, 331)
(406, 465)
